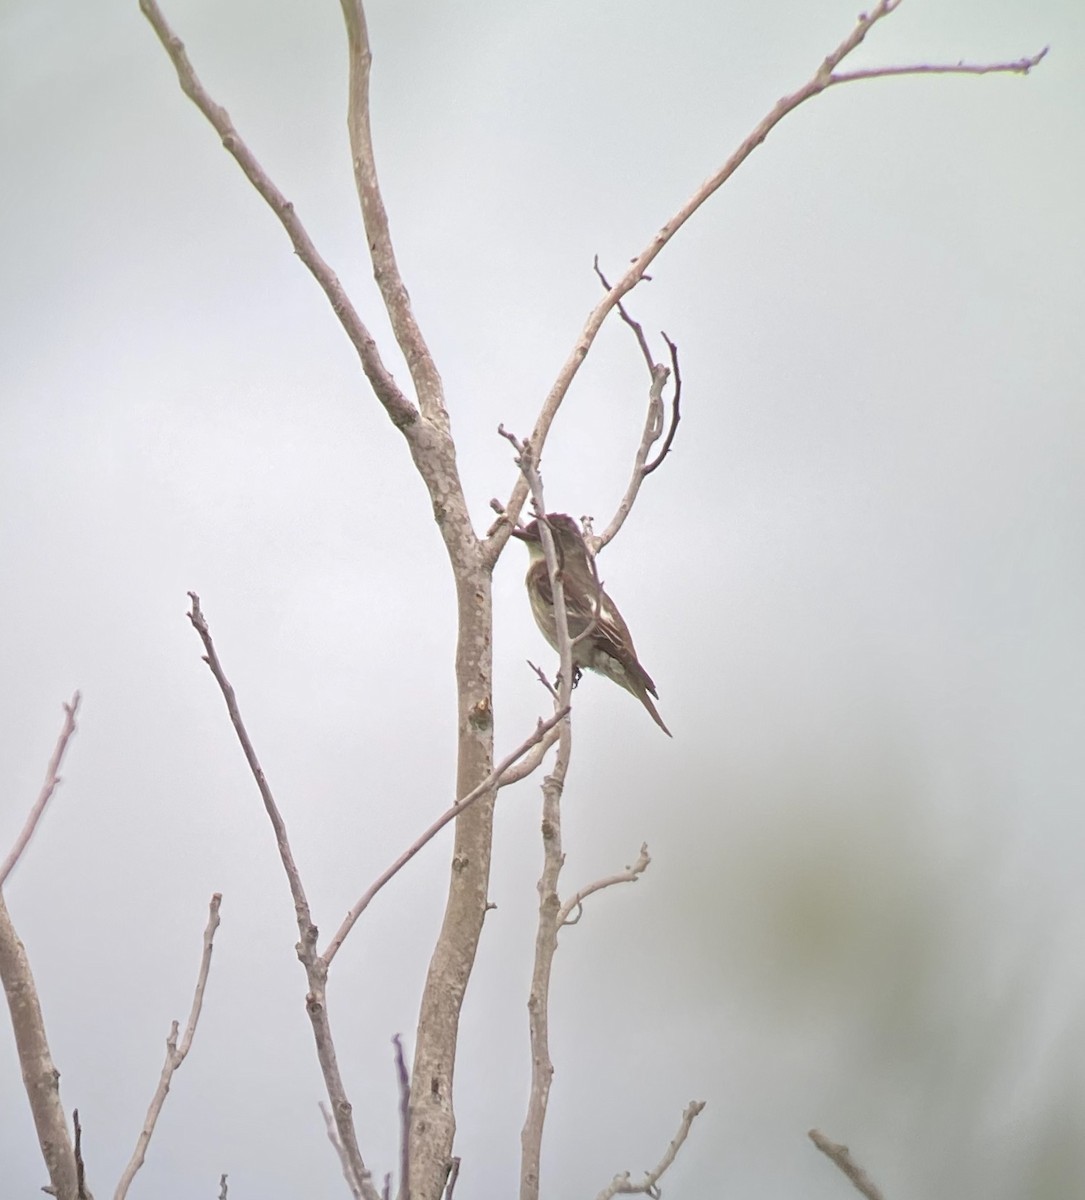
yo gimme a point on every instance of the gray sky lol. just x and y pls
(858, 583)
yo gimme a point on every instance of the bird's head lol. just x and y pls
(567, 536)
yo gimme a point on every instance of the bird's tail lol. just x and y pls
(641, 694)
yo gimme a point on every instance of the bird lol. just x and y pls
(608, 647)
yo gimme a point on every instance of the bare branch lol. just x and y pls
(399, 408)
(653, 428)
(222, 1187)
(542, 1069)
(175, 1054)
(316, 969)
(52, 779)
(427, 381)
(629, 875)
(496, 778)
(622, 1185)
(80, 1167)
(301, 904)
(676, 410)
(333, 1137)
(530, 762)
(404, 1122)
(653, 422)
(1019, 66)
(822, 79)
(453, 1175)
(540, 675)
(841, 1155)
(41, 1079)
(623, 312)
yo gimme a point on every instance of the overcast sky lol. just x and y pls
(858, 583)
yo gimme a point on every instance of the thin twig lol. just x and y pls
(622, 1185)
(80, 1169)
(540, 675)
(52, 779)
(623, 312)
(402, 412)
(1019, 66)
(222, 1187)
(822, 79)
(658, 376)
(337, 1145)
(286, 854)
(676, 410)
(653, 428)
(841, 1155)
(404, 1121)
(498, 777)
(629, 875)
(316, 969)
(397, 302)
(175, 1054)
(542, 1068)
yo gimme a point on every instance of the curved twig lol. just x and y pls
(629, 875)
(676, 410)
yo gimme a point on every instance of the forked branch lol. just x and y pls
(826, 76)
(399, 408)
(543, 736)
(658, 375)
(623, 1185)
(630, 875)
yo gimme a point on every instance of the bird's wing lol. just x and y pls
(586, 601)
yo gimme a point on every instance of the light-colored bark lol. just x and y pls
(40, 1077)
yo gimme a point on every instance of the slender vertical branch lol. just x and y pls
(397, 302)
(176, 1053)
(80, 1166)
(404, 1083)
(337, 1146)
(549, 921)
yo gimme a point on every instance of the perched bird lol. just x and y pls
(608, 648)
